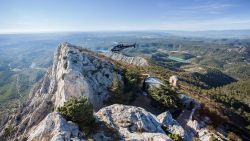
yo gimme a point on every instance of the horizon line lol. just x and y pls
(96, 31)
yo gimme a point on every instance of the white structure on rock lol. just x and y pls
(173, 81)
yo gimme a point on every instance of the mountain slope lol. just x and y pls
(75, 72)
(78, 72)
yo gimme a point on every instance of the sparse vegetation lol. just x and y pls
(125, 94)
(234, 96)
(8, 131)
(79, 110)
(132, 79)
(116, 91)
(175, 137)
(65, 65)
(165, 97)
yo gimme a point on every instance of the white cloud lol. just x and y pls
(211, 6)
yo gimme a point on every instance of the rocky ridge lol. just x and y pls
(79, 72)
(137, 61)
(75, 72)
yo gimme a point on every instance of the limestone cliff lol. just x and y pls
(79, 72)
(75, 72)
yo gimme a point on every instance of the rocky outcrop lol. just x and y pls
(75, 72)
(201, 131)
(79, 72)
(194, 128)
(137, 61)
(130, 123)
(28, 115)
(55, 128)
(171, 125)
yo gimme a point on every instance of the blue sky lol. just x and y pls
(119, 15)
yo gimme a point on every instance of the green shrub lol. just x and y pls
(79, 110)
(119, 93)
(132, 79)
(165, 97)
(116, 91)
(8, 131)
(65, 65)
(125, 93)
(212, 138)
(175, 137)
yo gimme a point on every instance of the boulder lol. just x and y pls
(203, 133)
(55, 128)
(171, 125)
(131, 123)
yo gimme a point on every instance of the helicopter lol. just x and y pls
(121, 46)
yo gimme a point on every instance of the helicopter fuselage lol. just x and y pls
(120, 47)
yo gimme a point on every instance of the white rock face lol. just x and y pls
(137, 61)
(131, 123)
(203, 133)
(79, 72)
(194, 125)
(75, 72)
(171, 124)
(55, 128)
(194, 128)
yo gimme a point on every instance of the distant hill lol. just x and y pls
(213, 33)
(214, 78)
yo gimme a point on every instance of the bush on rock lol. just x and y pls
(79, 110)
